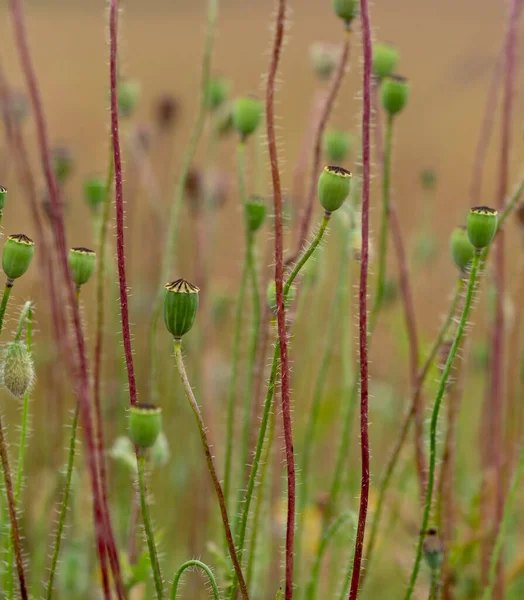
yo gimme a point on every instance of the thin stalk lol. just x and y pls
(211, 466)
(503, 529)
(434, 585)
(150, 536)
(187, 160)
(5, 299)
(311, 590)
(195, 563)
(434, 419)
(269, 396)
(363, 322)
(395, 454)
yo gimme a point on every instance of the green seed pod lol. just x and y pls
(180, 307)
(428, 179)
(271, 296)
(334, 185)
(433, 549)
(482, 226)
(394, 93)
(17, 255)
(63, 163)
(247, 113)
(128, 96)
(324, 59)
(94, 192)
(346, 10)
(82, 263)
(217, 92)
(3, 197)
(254, 213)
(462, 250)
(145, 424)
(337, 145)
(160, 450)
(18, 372)
(385, 59)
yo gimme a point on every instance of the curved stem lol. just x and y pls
(196, 132)
(195, 563)
(211, 466)
(434, 420)
(150, 536)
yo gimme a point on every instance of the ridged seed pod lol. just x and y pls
(482, 226)
(82, 263)
(334, 185)
(17, 255)
(145, 424)
(180, 307)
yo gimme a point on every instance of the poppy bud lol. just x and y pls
(145, 424)
(247, 113)
(324, 59)
(462, 250)
(394, 93)
(82, 263)
(217, 92)
(128, 96)
(346, 10)
(18, 372)
(385, 58)
(337, 145)
(63, 163)
(94, 192)
(254, 213)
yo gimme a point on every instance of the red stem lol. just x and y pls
(363, 319)
(103, 534)
(497, 363)
(334, 87)
(119, 201)
(281, 315)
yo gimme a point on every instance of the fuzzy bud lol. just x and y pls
(63, 163)
(217, 92)
(145, 424)
(82, 264)
(394, 93)
(254, 213)
(334, 185)
(128, 97)
(337, 145)
(247, 114)
(94, 192)
(17, 255)
(271, 296)
(462, 250)
(223, 122)
(482, 226)
(180, 307)
(324, 58)
(385, 59)
(18, 371)
(160, 450)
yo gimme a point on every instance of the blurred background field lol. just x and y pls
(448, 51)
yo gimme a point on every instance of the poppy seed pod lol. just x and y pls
(128, 96)
(385, 59)
(271, 296)
(334, 185)
(254, 213)
(145, 424)
(337, 145)
(482, 226)
(346, 10)
(3, 197)
(17, 255)
(94, 192)
(433, 549)
(180, 307)
(394, 93)
(217, 92)
(462, 250)
(82, 263)
(247, 114)
(17, 369)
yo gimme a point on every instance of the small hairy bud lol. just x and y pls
(247, 114)
(324, 58)
(385, 59)
(18, 372)
(394, 93)
(217, 92)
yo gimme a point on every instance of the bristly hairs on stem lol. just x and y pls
(199, 564)
(103, 534)
(363, 324)
(281, 312)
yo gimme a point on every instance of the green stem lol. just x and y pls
(392, 463)
(211, 466)
(505, 523)
(150, 537)
(5, 299)
(311, 591)
(200, 565)
(187, 160)
(434, 585)
(383, 240)
(270, 393)
(25, 314)
(434, 420)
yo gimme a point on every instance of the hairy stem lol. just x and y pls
(188, 565)
(5, 299)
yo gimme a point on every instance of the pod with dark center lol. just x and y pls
(337, 145)
(247, 114)
(482, 225)
(461, 248)
(394, 93)
(145, 425)
(128, 97)
(334, 185)
(94, 192)
(17, 255)
(180, 307)
(433, 549)
(346, 10)
(63, 163)
(82, 264)
(254, 213)
(217, 92)
(18, 372)
(271, 296)
(3, 198)
(385, 59)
